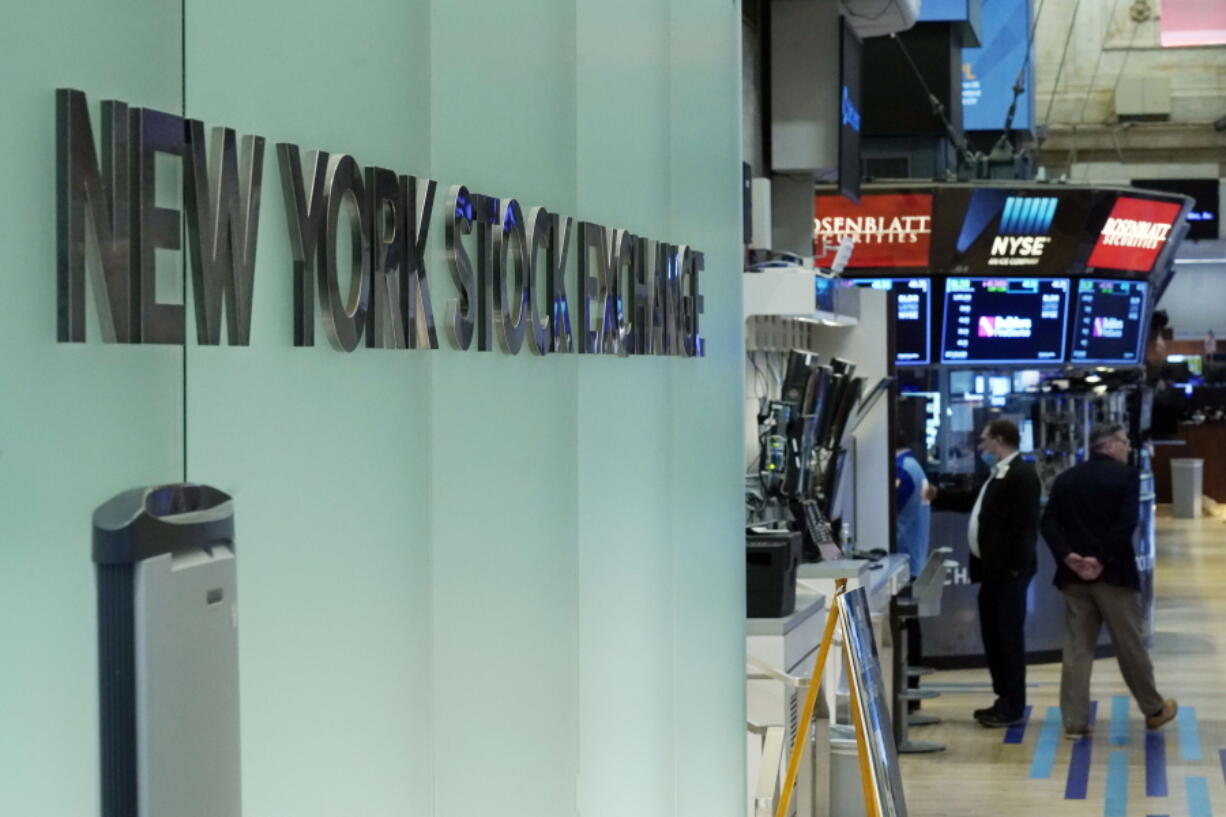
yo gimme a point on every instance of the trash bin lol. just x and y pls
(167, 653)
(1187, 487)
(846, 789)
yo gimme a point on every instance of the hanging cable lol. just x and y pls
(1060, 70)
(1115, 88)
(1085, 104)
(1019, 86)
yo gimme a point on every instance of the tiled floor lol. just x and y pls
(980, 774)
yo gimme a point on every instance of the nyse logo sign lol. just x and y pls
(1023, 234)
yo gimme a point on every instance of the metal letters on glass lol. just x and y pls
(155, 227)
(389, 255)
(222, 200)
(82, 188)
(304, 212)
(562, 340)
(462, 312)
(537, 229)
(635, 296)
(345, 314)
(418, 203)
(511, 308)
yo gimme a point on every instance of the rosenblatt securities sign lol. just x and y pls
(891, 230)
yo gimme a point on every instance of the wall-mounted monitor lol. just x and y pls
(1135, 232)
(1107, 320)
(1203, 217)
(912, 321)
(1004, 320)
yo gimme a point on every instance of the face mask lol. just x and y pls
(989, 459)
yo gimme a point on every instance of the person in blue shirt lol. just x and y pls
(912, 495)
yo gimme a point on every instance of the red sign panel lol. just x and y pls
(1136, 231)
(890, 230)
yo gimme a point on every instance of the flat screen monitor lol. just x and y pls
(1203, 217)
(912, 320)
(1004, 320)
(1107, 321)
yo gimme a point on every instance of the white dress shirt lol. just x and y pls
(972, 527)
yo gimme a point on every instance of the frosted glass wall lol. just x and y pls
(470, 582)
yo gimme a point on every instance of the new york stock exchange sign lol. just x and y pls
(631, 295)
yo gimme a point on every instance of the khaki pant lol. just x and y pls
(1086, 608)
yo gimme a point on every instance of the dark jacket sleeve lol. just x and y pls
(1124, 520)
(1054, 532)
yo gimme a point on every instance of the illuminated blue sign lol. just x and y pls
(988, 73)
(851, 117)
(1027, 216)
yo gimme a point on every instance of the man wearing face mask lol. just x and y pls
(1089, 523)
(1001, 532)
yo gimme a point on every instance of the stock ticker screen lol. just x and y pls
(1107, 318)
(912, 321)
(1004, 320)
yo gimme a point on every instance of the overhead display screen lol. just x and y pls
(1107, 318)
(912, 321)
(1135, 232)
(1003, 231)
(890, 230)
(1203, 217)
(1004, 320)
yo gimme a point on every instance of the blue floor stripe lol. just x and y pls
(1189, 735)
(1079, 763)
(1015, 734)
(1119, 720)
(1155, 764)
(1045, 748)
(1117, 785)
(1198, 797)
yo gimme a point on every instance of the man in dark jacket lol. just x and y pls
(1088, 524)
(1002, 530)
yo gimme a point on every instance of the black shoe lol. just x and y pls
(995, 720)
(982, 713)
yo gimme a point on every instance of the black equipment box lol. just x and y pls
(771, 558)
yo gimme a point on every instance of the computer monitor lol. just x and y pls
(1004, 321)
(912, 318)
(1108, 317)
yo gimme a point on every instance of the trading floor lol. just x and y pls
(1120, 772)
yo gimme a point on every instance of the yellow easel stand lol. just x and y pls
(872, 802)
(806, 716)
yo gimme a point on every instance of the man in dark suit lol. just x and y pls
(1003, 528)
(1088, 524)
